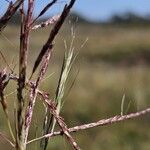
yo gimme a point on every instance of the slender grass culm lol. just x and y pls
(28, 89)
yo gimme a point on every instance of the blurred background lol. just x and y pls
(113, 62)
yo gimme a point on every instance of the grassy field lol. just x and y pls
(114, 61)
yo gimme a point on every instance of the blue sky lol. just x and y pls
(95, 9)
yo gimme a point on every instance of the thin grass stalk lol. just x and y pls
(62, 83)
(20, 144)
(42, 72)
(4, 80)
(6, 139)
(12, 8)
(46, 126)
(34, 89)
(102, 122)
(52, 108)
(5, 61)
(33, 92)
(29, 111)
(24, 43)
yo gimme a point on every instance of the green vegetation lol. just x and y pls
(114, 61)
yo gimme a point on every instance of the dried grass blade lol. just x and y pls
(33, 92)
(29, 112)
(55, 30)
(44, 66)
(62, 82)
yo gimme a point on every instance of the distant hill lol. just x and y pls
(124, 19)
(129, 19)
